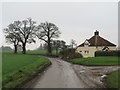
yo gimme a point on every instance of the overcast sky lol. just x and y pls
(76, 21)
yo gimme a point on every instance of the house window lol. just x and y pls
(80, 51)
(86, 52)
(86, 44)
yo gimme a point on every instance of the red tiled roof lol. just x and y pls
(98, 41)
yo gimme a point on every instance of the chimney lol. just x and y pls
(96, 33)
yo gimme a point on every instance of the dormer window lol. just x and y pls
(105, 49)
(86, 43)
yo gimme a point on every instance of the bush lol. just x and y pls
(108, 53)
(69, 54)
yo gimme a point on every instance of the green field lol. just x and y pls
(42, 52)
(37, 52)
(17, 68)
(96, 61)
(113, 80)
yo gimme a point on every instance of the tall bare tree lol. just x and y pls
(46, 32)
(11, 37)
(23, 31)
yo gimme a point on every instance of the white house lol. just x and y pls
(95, 43)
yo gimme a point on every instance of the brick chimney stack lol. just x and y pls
(96, 33)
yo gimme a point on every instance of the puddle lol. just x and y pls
(82, 71)
(103, 76)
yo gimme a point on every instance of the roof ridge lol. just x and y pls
(98, 41)
(106, 40)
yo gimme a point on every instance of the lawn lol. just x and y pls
(113, 80)
(96, 61)
(17, 68)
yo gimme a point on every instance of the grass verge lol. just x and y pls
(112, 80)
(96, 61)
(17, 68)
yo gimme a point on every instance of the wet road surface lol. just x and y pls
(62, 74)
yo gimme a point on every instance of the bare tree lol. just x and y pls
(12, 39)
(58, 45)
(46, 32)
(23, 31)
(73, 43)
(63, 45)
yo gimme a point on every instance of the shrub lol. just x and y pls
(108, 53)
(69, 54)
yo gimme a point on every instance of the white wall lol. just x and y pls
(92, 50)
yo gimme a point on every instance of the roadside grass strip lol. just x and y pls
(96, 61)
(18, 68)
(113, 80)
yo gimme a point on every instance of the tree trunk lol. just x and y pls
(49, 48)
(15, 49)
(72, 46)
(24, 48)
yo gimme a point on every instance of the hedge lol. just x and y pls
(108, 53)
(69, 54)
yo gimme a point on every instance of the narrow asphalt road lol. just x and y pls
(62, 74)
